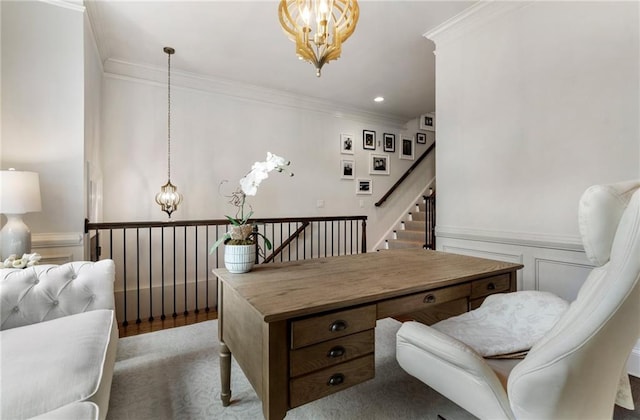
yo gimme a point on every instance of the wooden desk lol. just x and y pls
(303, 330)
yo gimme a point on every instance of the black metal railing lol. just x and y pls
(165, 268)
(430, 218)
(405, 175)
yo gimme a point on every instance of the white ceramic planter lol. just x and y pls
(239, 258)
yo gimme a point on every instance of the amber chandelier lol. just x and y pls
(318, 27)
(168, 198)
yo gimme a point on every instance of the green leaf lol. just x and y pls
(267, 243)
(219, 241)
(244, 221)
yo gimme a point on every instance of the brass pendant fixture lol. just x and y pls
(168, 198)
(318, 27)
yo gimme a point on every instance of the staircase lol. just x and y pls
(411, 230)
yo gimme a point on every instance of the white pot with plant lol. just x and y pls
(241, 238)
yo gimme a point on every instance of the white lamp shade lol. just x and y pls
(19, 192)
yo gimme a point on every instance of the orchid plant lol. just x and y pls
(241, 231)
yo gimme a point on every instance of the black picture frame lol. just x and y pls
(389, 142)
(407, 148)
(421, 138)
(368, 140)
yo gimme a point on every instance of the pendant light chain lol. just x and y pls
(169, 116)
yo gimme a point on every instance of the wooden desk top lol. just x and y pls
(298, 288)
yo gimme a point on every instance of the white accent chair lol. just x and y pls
(574, 370)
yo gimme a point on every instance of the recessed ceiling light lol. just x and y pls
(378, 99)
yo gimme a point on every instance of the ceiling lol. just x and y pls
(241, 41)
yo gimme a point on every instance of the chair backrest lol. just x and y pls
(573, 372)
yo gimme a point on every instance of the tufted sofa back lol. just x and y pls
(45, 292)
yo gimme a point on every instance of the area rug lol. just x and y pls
(174, 374)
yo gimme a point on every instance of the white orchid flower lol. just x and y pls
(276, 162)
(252, 180)
(260, 171)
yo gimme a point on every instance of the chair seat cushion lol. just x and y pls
(50, 364)
(506, 323)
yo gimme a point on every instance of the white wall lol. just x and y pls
(219, 129)
(42, 115)
(92, 124)
(535, 102)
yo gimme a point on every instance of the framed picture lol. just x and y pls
(347, 168)
(389, 142)
(363, 186)
(346, 144)
(428, 121)
(378, 164)
(421, 138)
(368, 140)
(407, 148)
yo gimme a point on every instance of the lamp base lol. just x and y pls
(15, 237)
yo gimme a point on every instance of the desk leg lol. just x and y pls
(275, 390)
(225, 374)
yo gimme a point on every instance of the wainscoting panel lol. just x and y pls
(562, 278)
(58, 248)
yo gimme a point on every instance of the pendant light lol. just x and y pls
(168, 198)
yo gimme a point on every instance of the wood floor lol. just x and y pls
(170, 322)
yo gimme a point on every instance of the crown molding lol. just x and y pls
(147, 74)
(96, 29)
(94, 42)
(471, 19)
(536, 240)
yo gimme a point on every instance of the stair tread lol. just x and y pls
(399, 243)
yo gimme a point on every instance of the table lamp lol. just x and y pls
(19, 194)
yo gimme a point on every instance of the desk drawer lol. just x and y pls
(490, 285)
(332, 352)
(421, 301)
(328, 381)
(332, 325)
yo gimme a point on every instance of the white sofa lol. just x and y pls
(58, 340)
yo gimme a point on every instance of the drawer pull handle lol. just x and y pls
(336, 379)
(491, 286)
(338, 325)
(429, 298)
(337, 351)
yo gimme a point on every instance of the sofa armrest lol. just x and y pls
(45, 292)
